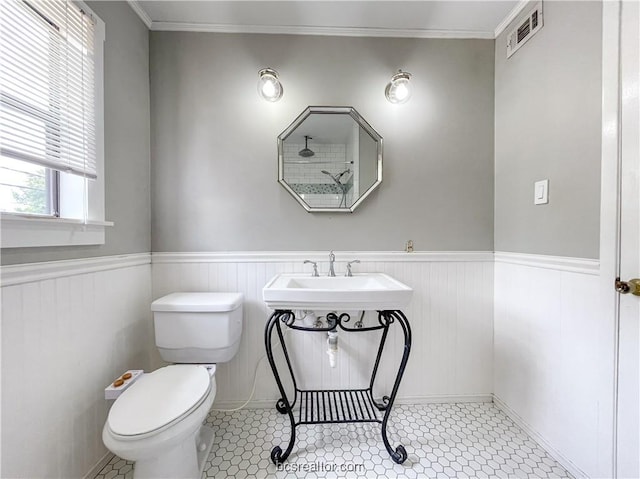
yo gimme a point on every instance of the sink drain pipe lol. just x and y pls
(332, 347)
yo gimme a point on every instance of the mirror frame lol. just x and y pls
(329, 110)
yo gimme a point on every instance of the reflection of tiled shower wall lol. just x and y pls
(329, 157)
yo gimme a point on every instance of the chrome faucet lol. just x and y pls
(315, 267)
(349, 273)
(332, 259)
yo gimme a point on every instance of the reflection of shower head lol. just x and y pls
(306, 152)
(325, 172)
(343, 173)
(343, 187)
(337, 177)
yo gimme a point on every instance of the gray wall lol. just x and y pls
(127, 141)
(548, 125)
(214, 153)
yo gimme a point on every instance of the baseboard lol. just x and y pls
(445, 399)
(223, 406)
(574, 470)
(408, 400)
(93, 472)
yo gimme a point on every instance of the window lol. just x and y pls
(28, 188)
(51, 137)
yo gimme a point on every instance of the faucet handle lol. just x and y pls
(332, 259)
(349, 273)
(315, 267)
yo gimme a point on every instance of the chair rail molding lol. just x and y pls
(559, 263)
(31, 272)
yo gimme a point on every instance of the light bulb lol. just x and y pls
(402, 92)
(269, 87)
(398, 90)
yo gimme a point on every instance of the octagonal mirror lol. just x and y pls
(330, 159)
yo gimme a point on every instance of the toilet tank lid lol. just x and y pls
(198, 302)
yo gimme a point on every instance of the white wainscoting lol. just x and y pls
(547, 347)
(451, 317)
(68, 329)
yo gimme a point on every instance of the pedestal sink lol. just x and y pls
(340, 295)
(363, 291)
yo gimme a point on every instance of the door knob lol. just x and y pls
(625, 287)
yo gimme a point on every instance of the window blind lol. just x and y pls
(47, 84)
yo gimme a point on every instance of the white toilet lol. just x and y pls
(157, 421)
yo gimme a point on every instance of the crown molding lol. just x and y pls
(135, 6)
(324, 30)
(511, 16)
(317, 30)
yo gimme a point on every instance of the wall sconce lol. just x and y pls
(398, 90)
(269, 87)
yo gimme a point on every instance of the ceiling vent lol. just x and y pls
(524, 30)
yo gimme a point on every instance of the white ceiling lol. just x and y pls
(459, 19)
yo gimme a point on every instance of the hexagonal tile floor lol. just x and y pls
(470, 440)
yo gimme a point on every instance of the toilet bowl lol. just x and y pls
(157, 421)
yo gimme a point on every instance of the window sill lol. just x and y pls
(21, 231)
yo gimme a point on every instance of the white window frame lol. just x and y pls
(76, 225)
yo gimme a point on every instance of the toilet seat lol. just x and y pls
(158, 400)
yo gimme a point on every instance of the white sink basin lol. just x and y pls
(364, 291)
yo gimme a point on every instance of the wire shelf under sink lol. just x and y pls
(336, 406)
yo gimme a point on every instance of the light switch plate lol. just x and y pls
(541, 192)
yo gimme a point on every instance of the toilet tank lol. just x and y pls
(198, 327)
